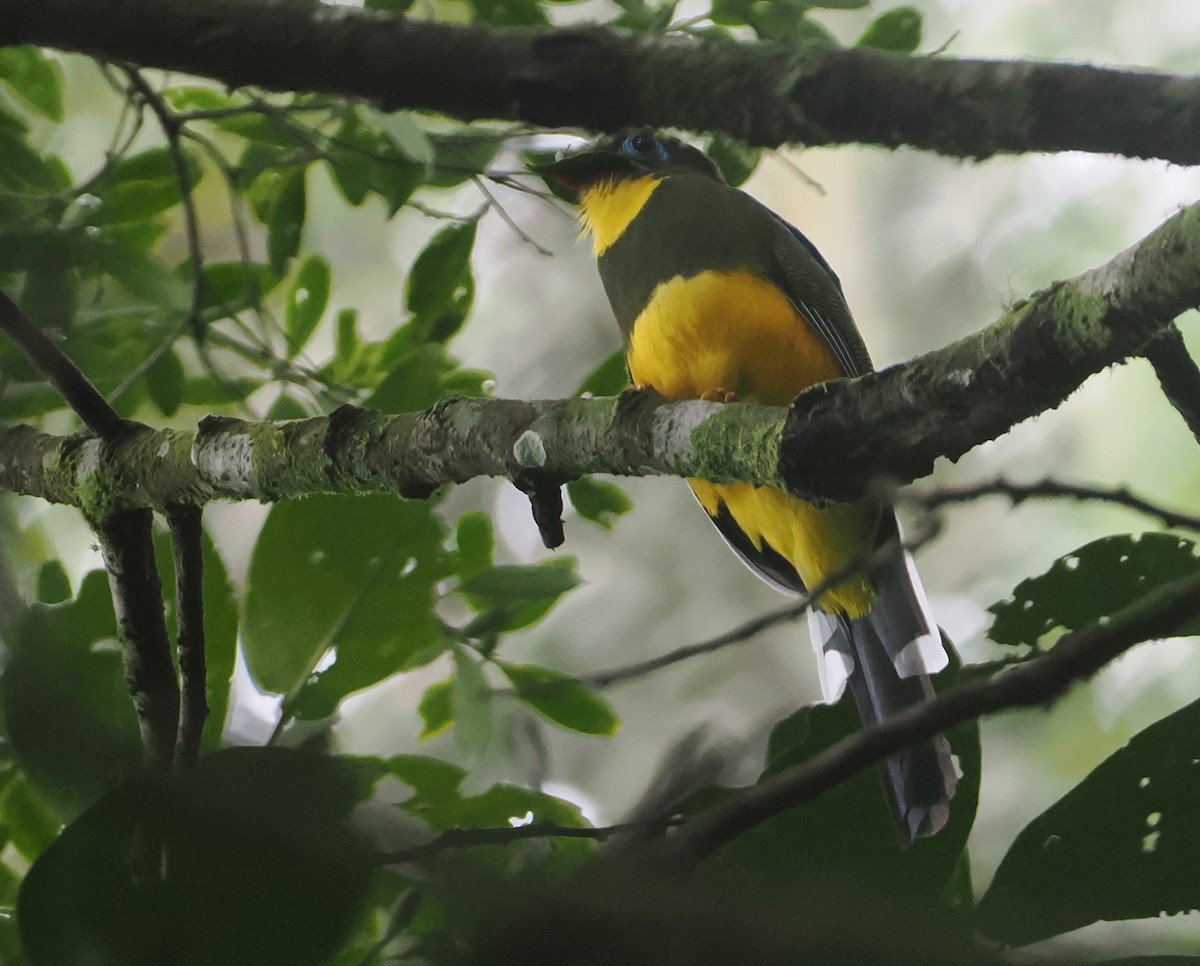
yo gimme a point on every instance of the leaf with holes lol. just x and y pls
(1120, 845)
(306, 302)
(1093, 582)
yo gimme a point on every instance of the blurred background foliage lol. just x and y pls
(329, 253)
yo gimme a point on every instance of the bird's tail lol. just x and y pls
(886, 657)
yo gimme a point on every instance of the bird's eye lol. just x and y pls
(645, 147)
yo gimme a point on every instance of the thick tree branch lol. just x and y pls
(831, 444)
(604, 79)
(901, 419)
(1076, 656)
(128, 549)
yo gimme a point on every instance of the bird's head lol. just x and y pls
(627, 155)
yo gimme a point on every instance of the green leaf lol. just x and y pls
(563, 699)
(264, 867)
(475, 542)
(1092, 583)
(514, 596)
(197, 98)
(28, 822)
(898, 30)
(434, 709)
(347, 340)
(232, 285)
(139, 187)
(210, 391)
(422, 376)
(388, 6)
(354, 578)
(35, 78)
(735, 160)
(848, 836)
(510, 13)
(551, 578)
(433, 782)
(278, 199)
(459, 157)
(365, 160)
(164, 383)
(1120, 845)
(609, 378)
(28, 170)
(306, 302)
(441, 277)
(53, 585)
(470, 703)
(839, 4)
(64, 657)
(784, 21)
(599, 501)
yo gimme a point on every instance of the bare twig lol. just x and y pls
(508, 219)
(1077, 656)
(186, 538)
(171, 126)
(752, 628)
(463, 838)
(1047, 489)
(60, 372)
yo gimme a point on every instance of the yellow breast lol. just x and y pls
(737, 332)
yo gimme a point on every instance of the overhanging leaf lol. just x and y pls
(1092, 583)
(1120, 845)
(563, 699)
(355, 576)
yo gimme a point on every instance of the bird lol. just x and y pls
(719, 298)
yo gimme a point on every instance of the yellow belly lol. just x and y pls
(737, 332)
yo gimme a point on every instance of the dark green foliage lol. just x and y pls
(1092, 583)
(349, 577)
(846, 837)
(262, 867)
(262, 864)
(1120, 845)
(898, 30)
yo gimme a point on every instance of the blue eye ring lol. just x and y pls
(644, 147)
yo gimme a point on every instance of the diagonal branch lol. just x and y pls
(1178, 375)
(1076, 656)
(604, 79)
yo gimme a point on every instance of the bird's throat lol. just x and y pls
(608, 207)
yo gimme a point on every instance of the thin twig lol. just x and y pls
(91, 407)
(1048, 489)
(464, 838)
(171, 126)
(186, 539)
(752, 628)
(508, 219)
(1077, 656)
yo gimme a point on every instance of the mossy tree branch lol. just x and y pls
(833, 441)
(604, 79)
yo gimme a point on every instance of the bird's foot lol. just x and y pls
(719, 395)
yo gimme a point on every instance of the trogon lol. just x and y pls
(719, 298)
